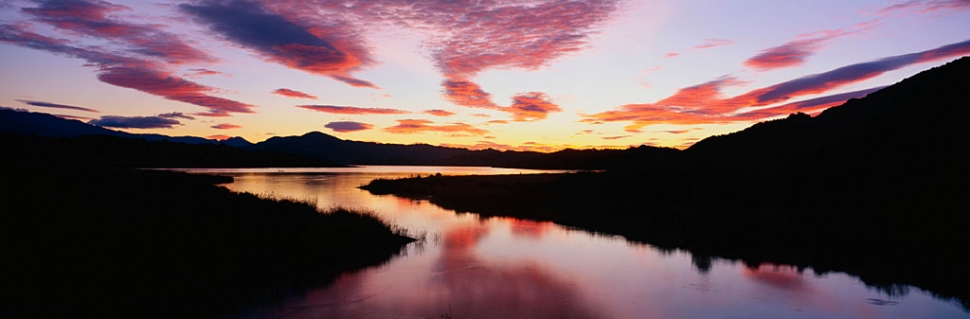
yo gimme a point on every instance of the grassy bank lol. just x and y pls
(698, 214)
(117, 243)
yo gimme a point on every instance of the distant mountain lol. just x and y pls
(42, 124)
(321, 145)
(328, 148)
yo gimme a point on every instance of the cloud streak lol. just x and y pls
(138, 122)
(351, 110)
(922, 6)
(412, 126)
(294, 94)
(225, 126)
(348, 126)
(58, 106)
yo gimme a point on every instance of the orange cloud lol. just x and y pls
(218, 137)
(351, 110)
(411, 126)
(531, 106)
(439, 112)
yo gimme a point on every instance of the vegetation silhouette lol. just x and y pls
(86, 241)
(871, 188)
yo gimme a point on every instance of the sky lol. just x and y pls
(539, 75)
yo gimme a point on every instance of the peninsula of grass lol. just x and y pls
(87, 242)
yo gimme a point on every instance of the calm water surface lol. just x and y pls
(510, 268)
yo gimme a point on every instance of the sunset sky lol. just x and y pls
(505, 74)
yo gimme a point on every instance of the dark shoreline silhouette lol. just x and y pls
(97, 242)
(872, 188)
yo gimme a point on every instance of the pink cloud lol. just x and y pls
(712, 43)
(327, 51)
(792, 53)
(704, 104)
(173, 88)
(90, 18)
(923, 6)
(133, 73)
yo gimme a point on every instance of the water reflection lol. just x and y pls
(510, 268)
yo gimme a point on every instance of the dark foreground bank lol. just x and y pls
(90, 242)
(885, 248)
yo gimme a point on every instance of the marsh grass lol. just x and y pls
(107, 243)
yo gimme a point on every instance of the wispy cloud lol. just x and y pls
(296, 94)
(58, 106)
(351, 109)
(411, 126)
(90, 18)
(793, 53)
(134, 73)
(139, 122)
(171, 87)
(348, 126)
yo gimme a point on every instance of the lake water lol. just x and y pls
(509, 268)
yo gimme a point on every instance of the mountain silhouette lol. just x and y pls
(42, 124)
(328, 148)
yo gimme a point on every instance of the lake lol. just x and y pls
(470, 267)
